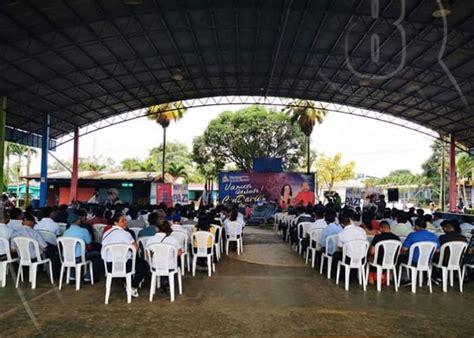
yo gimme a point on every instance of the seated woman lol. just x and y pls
(204, 224)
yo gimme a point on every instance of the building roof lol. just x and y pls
(84, 61)
(100, 175)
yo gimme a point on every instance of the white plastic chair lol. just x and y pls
(218, 241)
(426, 251)
(182, 237)
(328, 255)
(233, 234)
(314, 237)
(136, 230)
(67, 255)
(142, 243)
(62, 226)
(98, 231)
(160, 254)
(201, 238)
(391, 250)
(48, 236)
(456, 252)
(23, 245)
(301, 234)
(4, 264)
(356, 252)
(119, 253)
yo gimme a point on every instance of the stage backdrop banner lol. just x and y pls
(353, 197)
(164, 194)
(180, 193)
(241, 187)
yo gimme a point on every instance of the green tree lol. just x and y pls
(176, 152)
(177, 171)
(464, 171)
(131, 164)
(331, 170)
(240, 137)
(305, 113)
(96, 163)
(432, 170)
(163, 114)
(19, 150)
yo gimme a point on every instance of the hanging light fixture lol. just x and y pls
(177, 75)
(443, 9)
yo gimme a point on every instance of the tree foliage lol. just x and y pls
(164, 113)
(240, 137)
(330, 170)
(397, 177)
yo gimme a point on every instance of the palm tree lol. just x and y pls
(177, 171)
(131, 164)
(307, 115)
(19, 150)
(464, 168)
(29, 152)
(163, 114)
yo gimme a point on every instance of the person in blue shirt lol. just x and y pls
(76, 231)
(420, 235)
(332, 229)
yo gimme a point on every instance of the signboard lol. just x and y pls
(164, 194)
(180, 194)
(285, 188)
(353, 197)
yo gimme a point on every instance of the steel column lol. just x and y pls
(453, 192)
(44, 162)
(3, 117)
(75, 167)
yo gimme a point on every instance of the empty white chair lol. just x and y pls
(314, 237)
(327, 254)
(426, 251)
(356, 253)
(23, 245)
(200, 240)
(48, 236)
(391, 250)
(119, 255)
(456, 251)
(164, 262)
(182, 237)
(233, 234)
(218, 241)
(67, 254)
(5, 243)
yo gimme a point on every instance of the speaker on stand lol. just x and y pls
(393, 195)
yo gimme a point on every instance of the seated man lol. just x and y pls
(385, 235)
(466, 225)
(76, 231)
(437, 220)
(420, 235)
(403, 228)
(27, 231)
(119, 235)
(332, 229)
(46, 223)
(5, 232)
(16, 219)
(319, 223)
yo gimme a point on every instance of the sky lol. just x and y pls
(376, 147)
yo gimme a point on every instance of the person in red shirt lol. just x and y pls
(304, 196)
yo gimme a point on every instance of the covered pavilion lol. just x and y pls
(70, 64)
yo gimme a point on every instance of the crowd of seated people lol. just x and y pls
(118, 222)
(370, 223)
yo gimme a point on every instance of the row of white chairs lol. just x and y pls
(356, 252)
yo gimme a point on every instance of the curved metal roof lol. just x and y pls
(86, 60)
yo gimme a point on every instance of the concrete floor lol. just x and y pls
(262, 298)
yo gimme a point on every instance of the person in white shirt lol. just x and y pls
(47, 224)
(118, 235)
(437, 220)
(350, 232)
(466, 225)
(403, 228)
(319, 223)
(5, 231)
(16, 219)
(163, 236)
(27, 231)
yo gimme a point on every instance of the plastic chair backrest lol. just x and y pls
(23, 245)
(302, 229)
(426, 250)
(456, 251)
(218, 232)
(136, 230)
(98, 231)
(48, 236)
(67, 250)
(233, 229)
(331, 240)
(5, 244)
(160, 254)
(182, 237)
(315, 236)
(119, 253)
(356, 251)
(201, 238)
(391, 249)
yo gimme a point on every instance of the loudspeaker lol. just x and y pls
(393, 195)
